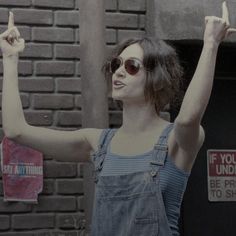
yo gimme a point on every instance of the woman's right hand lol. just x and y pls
(10, 42)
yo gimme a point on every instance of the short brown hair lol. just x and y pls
(163, 70)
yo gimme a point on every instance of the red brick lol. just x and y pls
(69, 186)
(54, 68)
(80, 203)
(132, 5)
(67, 18)
(25, 32)
(33, 221)
(110, 35)
(36, 84)
(24, 233)
(124, 34)
(53, 34)
(20, 3)
(43, 118)
(5, 222)
(61, 233)
(69, 118)
(78, 69)
(25, 68)
(67, 51)
(37, 51)
(76, 4)
(78, 101)
(53, 169)
(80, 169)
(52, 101)
(70, 221)
(70, 85)
(9, 207)
(56, 204)
(121, 20)
(111, 4)
(65, 4)
(77, 37)
(33, 16)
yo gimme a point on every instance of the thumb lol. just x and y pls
(10, 20)
(225, 12)
(230, 31)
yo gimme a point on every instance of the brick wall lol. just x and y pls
(50, 85)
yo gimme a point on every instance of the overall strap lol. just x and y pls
(103, 138)
(160, 150)
(108, 135)
(99, 156)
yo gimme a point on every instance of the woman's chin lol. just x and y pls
(124, 97)
(117, 96)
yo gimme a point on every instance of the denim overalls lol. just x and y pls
(131, 204)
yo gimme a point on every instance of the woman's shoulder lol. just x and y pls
(94, 136)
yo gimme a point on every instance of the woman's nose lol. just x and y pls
(120, 72)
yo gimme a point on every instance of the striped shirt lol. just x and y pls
(173, 180)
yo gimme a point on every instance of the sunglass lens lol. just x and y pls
(132, 66)
(115, 64)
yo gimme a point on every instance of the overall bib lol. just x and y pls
(130, 204)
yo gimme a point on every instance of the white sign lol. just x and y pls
(221, 167)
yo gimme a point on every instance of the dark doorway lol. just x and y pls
(199, 216)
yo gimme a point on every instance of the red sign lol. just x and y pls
(22, 172)
(222, 163)
(221, 175)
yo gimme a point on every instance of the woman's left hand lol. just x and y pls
(217, 29)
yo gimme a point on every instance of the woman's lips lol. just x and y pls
(118, 84)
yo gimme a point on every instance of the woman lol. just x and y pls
(141, 169)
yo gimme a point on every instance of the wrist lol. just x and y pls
(10, 58)
(211, 44)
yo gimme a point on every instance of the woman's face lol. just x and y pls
(127, 87)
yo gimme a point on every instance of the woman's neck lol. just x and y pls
(139, 117)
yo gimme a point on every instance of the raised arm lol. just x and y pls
(62, 145)
(188, 133)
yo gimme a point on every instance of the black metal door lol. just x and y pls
(199, 216)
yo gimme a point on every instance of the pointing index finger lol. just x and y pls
(10, 20)
(225, 12)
